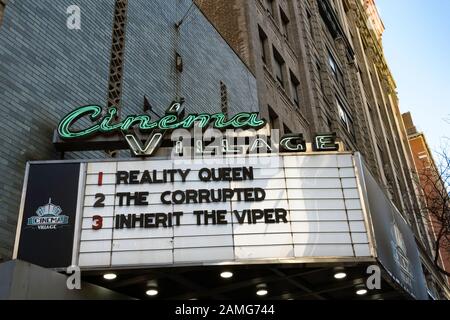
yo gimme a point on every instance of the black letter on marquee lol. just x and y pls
(122, 176)
(204, 175)
(177, 216)
(198, 214)
(184, 174)
(222, 217)
(260, 194)
(247, 173)
(281, 215)
(146, 178)
(163, 197)
(134, 177)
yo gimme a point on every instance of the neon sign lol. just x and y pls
(170, 121)
(103, 122)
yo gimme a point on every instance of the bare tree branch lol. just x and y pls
(434, 182)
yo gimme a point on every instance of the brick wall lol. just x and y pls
(46, 70)
(230, 21)
(429, 181)
(207, 59)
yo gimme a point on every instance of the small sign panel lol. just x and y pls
(49, 212)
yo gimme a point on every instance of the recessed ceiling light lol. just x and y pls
(151, 292)
(261, 289)
(226, 274)
(340, 275)
(261, 292)
(361, 292)
(109, 276)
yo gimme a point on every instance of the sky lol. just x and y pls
(417, 48)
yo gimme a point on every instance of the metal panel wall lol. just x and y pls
(395, 242)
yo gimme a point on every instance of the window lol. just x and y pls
(295, 87)
(345, 118)
(269, 5)
(278, 66)
(273, 119)
(337, 73)
(332, 63)
(284, 24)
(263, 42)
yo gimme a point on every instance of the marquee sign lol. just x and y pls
(134, 127)
(214, 210)
(206, 211)
(272, 208)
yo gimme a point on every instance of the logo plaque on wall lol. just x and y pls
(48, 217)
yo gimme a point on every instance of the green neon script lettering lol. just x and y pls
(242, 120)
(143, 120)
(144, 123)
(106, 126)
(202, 120)
(254, 122)
(64, 128)
(168, 122)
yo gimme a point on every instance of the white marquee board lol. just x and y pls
(319, 192)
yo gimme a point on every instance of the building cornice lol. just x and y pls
(371, 40)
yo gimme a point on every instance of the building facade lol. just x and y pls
(320, 66)
(432, 187)
(307, 67)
